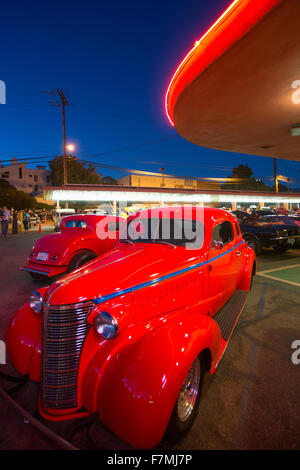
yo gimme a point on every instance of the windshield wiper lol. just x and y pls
(126, 240)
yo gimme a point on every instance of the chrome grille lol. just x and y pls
(65, 328)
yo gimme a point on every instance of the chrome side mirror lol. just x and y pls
(218, 245)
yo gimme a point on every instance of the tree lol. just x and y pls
(109, 180)
(282, 188)
(11, 197)
(77, 172)
(242, 171)
(242, 179)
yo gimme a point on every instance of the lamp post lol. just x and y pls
(69, 148)
(163, 176)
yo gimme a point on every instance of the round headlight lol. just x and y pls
(36, 301)
(106, 326)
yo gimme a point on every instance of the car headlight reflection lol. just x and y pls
(106, 326)
(36, 301)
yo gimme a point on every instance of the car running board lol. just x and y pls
(227, 319)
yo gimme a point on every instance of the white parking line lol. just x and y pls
(263, 274)
(282, 268)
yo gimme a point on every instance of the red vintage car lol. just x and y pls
(131, 334)
(80, 240)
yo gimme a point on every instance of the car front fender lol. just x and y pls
(134, 380)
(24, 340)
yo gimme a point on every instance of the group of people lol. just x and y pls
(7, 216)
(275, 211)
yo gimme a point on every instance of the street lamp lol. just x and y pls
(70, 147)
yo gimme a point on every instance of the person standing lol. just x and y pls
(26, 220)
(4, 221)
(15, 222)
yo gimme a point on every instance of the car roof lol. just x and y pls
(190, 212)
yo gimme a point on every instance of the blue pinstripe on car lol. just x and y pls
(104, 298)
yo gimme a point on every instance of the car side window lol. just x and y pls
(75, 224)
(237, 229)
(223, 233)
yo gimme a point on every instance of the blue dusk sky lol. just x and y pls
(113, 60)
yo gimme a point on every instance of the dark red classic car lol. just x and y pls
(81, 239)
(131, 334)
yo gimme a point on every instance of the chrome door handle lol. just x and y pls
(238, 253)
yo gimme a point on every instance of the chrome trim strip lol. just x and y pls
(100, 300)
(35, 271)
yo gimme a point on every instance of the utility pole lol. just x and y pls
(64, 102)
(163, 176)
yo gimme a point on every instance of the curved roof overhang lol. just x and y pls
(238, 89)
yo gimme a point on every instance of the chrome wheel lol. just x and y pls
(189, 391)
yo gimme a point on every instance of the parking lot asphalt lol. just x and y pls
(253, 400)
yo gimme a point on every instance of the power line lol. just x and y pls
(20, 162)
(154, 174)
(38, 159)
(140, 172)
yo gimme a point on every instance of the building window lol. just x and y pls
(36, 188)
(30, 176)
(20, 173)
(188, 183)
(5, 174)
(35, 177)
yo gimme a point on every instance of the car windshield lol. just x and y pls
(169, 231)
(271, 219)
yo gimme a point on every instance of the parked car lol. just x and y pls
(243, 216)
(77, 243)
(57, 216)
(296, 218)
(139, 326)
(277, 231)
(34, 219)
(262, 213)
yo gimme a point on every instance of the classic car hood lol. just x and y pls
(273, 227)
(120, 269)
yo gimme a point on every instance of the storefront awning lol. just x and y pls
(89, 193)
